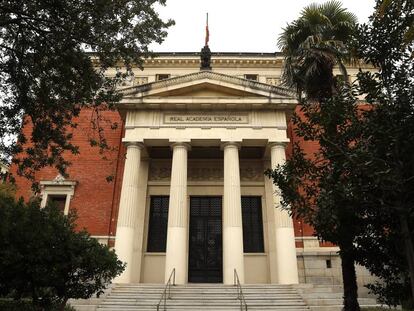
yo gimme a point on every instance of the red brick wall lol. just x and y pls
(301, 228)
(95, 199)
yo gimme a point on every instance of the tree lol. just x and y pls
(44, 258)
(385, 151)
(48, 75)
(313, 44)
(317, 187)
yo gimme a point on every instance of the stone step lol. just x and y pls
(209, 308)
(235, 308)
(216, 286)
(336, 301)
(195, 302)
(209, 294)
(301, 297)
(134, 297)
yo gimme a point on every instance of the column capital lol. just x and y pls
(230, 144)
(134, 144)
(181, 144)
(278, 144)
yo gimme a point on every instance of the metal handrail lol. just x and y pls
(240, 295)
(167, 289)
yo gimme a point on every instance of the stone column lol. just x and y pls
(140, 221)
(233, 257)
(285, 248)
(177, 234)
(128, 207)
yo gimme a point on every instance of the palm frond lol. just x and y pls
(314, 43)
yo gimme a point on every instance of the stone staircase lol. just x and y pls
(137, 297)
(142, 297)
(327, 297)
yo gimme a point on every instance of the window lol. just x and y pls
(252, 225)
(158, 221)
(251, 77)
(58, 201)
(328, 264)
(162, 76)
(58, 191)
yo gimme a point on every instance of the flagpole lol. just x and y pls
(207, 31)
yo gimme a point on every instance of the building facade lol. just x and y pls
(189, 192)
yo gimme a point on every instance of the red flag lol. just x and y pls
(207, 32)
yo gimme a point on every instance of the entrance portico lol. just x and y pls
(205, 135)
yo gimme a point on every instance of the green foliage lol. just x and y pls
(385, 150)
(316, 187)
(357, 190)
(7, 189)
(24, 305)
(313, 44)
(44, 258)
(47, 75)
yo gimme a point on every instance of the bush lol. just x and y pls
(382, 309)
(44, 258)
(24, 305)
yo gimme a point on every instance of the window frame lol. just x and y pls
(157, 76)
(58, 187)
(261, 242)
(251, 75)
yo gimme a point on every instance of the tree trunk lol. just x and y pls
(343, 71)
(409, 250)
(349, 279)
(63, 304)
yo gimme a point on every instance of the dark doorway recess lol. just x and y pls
(206, 251)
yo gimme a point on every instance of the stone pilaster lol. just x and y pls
(233, 257)
(285, 249)
(128, 209)
(177, 236)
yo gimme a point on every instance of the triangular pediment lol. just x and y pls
(207, 84)
(205, 89)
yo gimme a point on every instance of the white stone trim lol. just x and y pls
(58, 186)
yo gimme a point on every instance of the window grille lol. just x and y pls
(252, 225)
(158, 222)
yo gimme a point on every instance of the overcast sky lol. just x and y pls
(237, 25)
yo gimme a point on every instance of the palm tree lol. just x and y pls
(313, 44)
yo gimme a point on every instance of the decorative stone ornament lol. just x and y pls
(205, 57)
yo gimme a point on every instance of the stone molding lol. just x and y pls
(209, 75)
